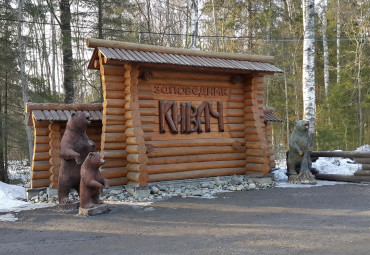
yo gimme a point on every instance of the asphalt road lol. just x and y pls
(318, 220)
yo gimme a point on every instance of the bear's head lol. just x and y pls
(78, 121)
(302, 125)
(94, 160)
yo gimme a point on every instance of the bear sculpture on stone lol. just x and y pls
(92, 183)
(299, 162)
(74, 147)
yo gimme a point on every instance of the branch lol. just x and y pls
(51, 7)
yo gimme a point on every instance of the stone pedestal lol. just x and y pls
(96, 210)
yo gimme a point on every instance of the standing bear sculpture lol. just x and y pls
(92, 182)
(74, 147)
(298, 161)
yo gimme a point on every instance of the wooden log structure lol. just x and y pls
(49, 122)
(173, 121)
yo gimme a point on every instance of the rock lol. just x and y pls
(251, 186)
(204, 185)
(122, 197)
(115, 191)
(232, 188)
(197, 192)
(154, 190)
(240, 188)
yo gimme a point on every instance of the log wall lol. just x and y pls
(113, 137)
(46, 150)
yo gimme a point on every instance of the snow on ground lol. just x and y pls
(12, 197)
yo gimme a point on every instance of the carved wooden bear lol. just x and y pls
(75, 145)
(92, 182)
(298, 143)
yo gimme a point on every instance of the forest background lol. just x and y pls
(44, 58)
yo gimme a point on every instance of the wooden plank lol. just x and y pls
(113, 172)
(117, 181)
(196, 158)
(183, 167)
(40, 183)
(196, 142)
(35, 175)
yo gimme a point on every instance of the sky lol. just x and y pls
(13, 197)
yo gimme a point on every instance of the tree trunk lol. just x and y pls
(338, 41)
(65, 25)
(100, 19)
(194, 25)
(325, 47)
(308, 70)
(22, 60)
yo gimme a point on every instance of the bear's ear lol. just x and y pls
(73, 114)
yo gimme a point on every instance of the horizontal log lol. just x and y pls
(114, 103)
(254, 138)
(113, 138)
(55, 161)
(186, 82)
(39, 183)
(54, 135)
(40, 165)
(113, 120)
(112, 70)
(54, 170)
(114, 154)
(55, 126)
(156, 136)
(136, 149)
(362, 172)
(342, 178)
(114, 129)
(256, 160)
(94, 130)
(342, 154)
(114, 163)
(42, 139)
(133, 167)
(255, 167)
(41, 131)
(145, 95)
(196, 158)
(365, 166)
(175, 74)
(41, 147)
(134, 132)
(117, 181)
(165, 152)
(40, 124)
(114, 146)
(54, 143)
(116, 94)
(35, 175)
(196, 142)
(131, 106)
(255, 152)
(117, 172)
(53, 179)
(137, 177)
(40, 156)
(195, 174)
(114, 111)
(137, 158)
(169, 168)
(114, 86)
(113, 78)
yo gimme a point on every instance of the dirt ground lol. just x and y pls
(318, 220)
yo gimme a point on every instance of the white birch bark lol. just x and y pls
(194, 25)
(308, 69)
(325, 46)
(338, 41)
(22, 60)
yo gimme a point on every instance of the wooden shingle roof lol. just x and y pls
(61, 112)
(140, 53)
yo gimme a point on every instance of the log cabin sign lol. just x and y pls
(171, 114)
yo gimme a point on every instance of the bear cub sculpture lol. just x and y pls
(92, 183)
(74, 146)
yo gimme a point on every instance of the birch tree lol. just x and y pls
(324, 5)
(338, 41)
(308, 68)
(194, 25)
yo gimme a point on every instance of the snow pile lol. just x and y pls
(19, 172)
(365, 147)
(342, 166)
(11, 197)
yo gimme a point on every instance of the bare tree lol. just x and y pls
(324, 5)
(338, 41)
(194, 25)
